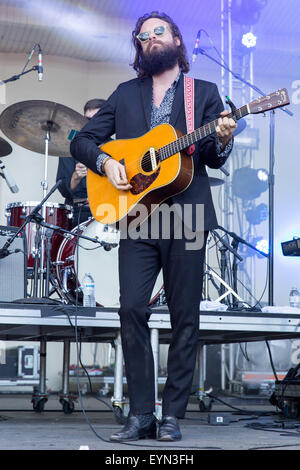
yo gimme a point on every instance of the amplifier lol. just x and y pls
(291, 248)
(13, 268)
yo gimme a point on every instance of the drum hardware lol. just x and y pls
(66, 274)
(43, 127)
(55, 213)
(37, 218)
(80, 258)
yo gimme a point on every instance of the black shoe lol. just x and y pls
(136, 428)
(168, 429)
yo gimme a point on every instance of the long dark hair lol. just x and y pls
(182, 61)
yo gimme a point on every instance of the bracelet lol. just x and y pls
(105, 160)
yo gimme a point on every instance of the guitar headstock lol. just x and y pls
(278, 99)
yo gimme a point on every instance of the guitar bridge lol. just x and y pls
(153, 158)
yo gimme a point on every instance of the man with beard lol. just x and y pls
(155, 97)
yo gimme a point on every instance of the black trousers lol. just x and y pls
(139, 264)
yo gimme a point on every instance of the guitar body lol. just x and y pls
(152, 180)
(156, 166)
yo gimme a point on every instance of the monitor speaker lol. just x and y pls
(13, 267)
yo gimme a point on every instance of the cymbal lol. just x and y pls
(5, 148)
(215, 181)
(26, 123)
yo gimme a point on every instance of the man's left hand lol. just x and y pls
(225, 128)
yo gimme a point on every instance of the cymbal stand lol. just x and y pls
(48, 234)
(37, 248)
(44, 184)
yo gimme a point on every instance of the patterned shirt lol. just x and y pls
(160, 115)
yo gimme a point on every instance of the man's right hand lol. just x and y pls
(116, 174)
(79, 173)
(80, 170)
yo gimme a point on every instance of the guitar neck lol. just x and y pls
(190, 139)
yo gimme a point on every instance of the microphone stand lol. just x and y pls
(37, 218)
(221, 279)
(35, 67)
(16, 77)
(28, 218)
(235, 243)
(271, 173)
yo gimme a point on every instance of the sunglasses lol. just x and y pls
(158, 31)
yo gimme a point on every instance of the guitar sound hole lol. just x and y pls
(147, 164)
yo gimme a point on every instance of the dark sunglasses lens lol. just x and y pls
(143, 37)
(159, 30)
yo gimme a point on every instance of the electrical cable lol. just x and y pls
(271, 360)
(244, 353)
(274, 447)
(244, 412)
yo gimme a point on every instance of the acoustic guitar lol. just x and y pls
(157, 165)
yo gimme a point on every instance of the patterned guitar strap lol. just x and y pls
(189, 108)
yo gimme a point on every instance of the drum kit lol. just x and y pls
(58, 257)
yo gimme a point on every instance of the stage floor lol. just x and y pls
(23, 429)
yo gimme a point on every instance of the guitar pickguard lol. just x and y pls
(140, 182)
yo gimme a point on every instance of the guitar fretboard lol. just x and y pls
(190, 139)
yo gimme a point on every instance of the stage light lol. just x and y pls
(260, 244)
(249, 40)
(262, 174)
(257, 214)
(249, 183)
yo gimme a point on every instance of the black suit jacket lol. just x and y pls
(65, 170)
(127, 113)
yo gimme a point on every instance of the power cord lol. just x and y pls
(244, 412)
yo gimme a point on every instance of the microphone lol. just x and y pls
(4, 252)
(40, 65)
(8, 178)
(195, 51)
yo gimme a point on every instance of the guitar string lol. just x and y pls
(166, 150)
(243, 111)
(205, 129)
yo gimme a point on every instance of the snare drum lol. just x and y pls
(56, 214)
(74, 260)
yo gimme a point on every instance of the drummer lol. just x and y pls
(73, 174)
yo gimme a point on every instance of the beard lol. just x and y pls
(160, 59)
